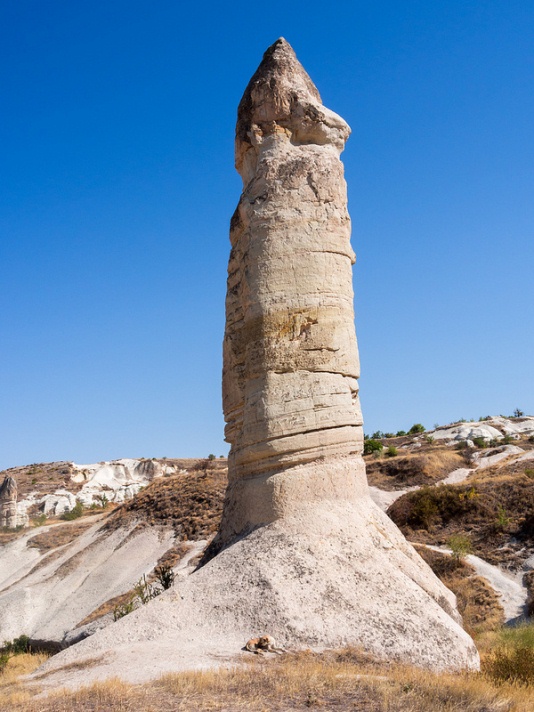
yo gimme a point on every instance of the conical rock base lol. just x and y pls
(333, 574)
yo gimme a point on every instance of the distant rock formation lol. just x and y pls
(8, 503)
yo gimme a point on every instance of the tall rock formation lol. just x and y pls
(290, 390)
(302, 554)
(8, 503)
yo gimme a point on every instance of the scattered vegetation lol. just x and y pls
(370, 446)
(460, 545)
(337, 680)
(416, 428)
(144, 591)
(478, 604)
(412, 468)
(75, 513)
(191, 502)
(512, 660)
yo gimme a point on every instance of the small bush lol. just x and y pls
(165, 576)
(400, 433)
(145, 591)
(371, 446)
(503, 520)
(75, 513)
(480, 442)
(18, 646)
(122, 609)
(211, 456)
(460, 545)
(431, 505)
(416, 428)
(516, 665)
(40, 520)
(392, 451)
(518, 413)
(377, 435)
(529, 472)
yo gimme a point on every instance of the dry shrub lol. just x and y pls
(413, 469)
(477, 601)
(511, 665)
(58, 535)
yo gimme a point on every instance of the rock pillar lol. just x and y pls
(290, 389)
(8, 503)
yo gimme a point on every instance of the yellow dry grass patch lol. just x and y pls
(12, 690)
(342, 680)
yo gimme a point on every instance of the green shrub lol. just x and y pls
(371, 446)
(529, 472)
(75, 513)
(480, 442)
(400, 433)
(392, 451)
(17, 646)
(40, 520)
(145, 591)
(429, 505)
(211, 456)
(429, 439)
(416, 428)
(503, 520)
(377, 435)
(122, 609)
(460, 545)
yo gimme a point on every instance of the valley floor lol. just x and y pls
(341, 680)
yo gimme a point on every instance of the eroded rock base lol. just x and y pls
(331, 574)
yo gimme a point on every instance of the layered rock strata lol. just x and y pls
(290, 389)
(304, 554)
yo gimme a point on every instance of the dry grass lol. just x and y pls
(408, 470)
(331, 681)
(477, 601)
(13, 693)
(43, 478)
(59, 535)
(191, 503)
(494, 510)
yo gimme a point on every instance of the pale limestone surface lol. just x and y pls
(46, 597)
(304, 554)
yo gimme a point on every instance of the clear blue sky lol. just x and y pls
(117, 185)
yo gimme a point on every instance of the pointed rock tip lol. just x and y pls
(279, 75)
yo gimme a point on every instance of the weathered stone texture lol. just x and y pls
(290, 390)
(8, 503)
